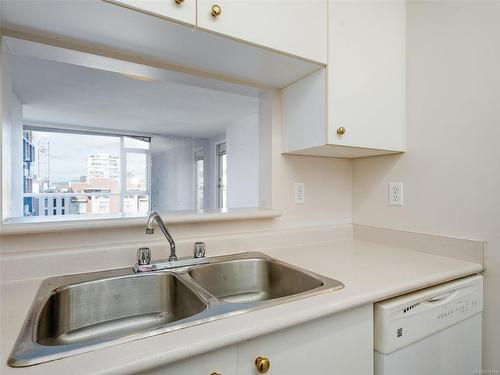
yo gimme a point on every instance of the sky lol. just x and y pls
(69, 152)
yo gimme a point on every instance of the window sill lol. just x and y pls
(76, 222)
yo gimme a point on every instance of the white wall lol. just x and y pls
(451, 171)
(328, 187)
(12, 142)
(15, 124)
(172, 172)
(3, 199)
(242, 142)
(211, 161)
(6, 76)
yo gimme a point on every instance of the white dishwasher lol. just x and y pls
(434, 331)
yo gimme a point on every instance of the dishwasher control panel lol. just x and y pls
(411, 317)
(462, 307)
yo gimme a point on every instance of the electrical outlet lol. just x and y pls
(396, 194)
(299, 193)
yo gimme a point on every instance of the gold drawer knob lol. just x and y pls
(262, 364)
(215, 373)
(216, 10)
(179, 2)
(341, 131)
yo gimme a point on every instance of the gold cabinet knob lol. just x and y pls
(341, 131)
(215, 373)
(216, 10)
(262, 364)
(179, 2)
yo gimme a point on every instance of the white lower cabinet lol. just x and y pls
(337, 344)
(221, 362)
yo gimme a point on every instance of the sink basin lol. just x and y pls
(114, 307)
(77, 313)
(251, 280)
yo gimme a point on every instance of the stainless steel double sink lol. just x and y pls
(79, 313)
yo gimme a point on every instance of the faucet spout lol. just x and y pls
(153, 218)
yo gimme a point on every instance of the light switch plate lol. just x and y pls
(396, 194)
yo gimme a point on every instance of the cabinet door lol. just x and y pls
(296, 27)
(337, 345)
(181, 10)
(221, 361)
(366, 75)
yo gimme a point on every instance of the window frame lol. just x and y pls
(123, 172)
(196, 158)
(123, 176)
(220, 150)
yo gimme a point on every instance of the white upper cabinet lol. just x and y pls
(179, 10)
(296, 27)
(366, 75)
(363, 86)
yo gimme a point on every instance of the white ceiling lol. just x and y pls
(59, 93)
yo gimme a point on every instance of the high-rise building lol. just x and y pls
(42, 164)
(30, 204)
(103, 166)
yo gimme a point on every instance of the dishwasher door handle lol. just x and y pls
(442, 297)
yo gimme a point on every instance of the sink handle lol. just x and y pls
(143, 256)
(199, 249)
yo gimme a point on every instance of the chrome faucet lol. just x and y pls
(150, 229)
(144, 263)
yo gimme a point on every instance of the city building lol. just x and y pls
(103, 166)
(30, 204)
(52, 205)
(42, 164)
(95, 196)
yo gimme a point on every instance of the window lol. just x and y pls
(81, 172)
(136, 179)
(198, 179)
(136, 176)
(221, 157)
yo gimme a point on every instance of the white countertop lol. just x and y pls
(370, 272)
